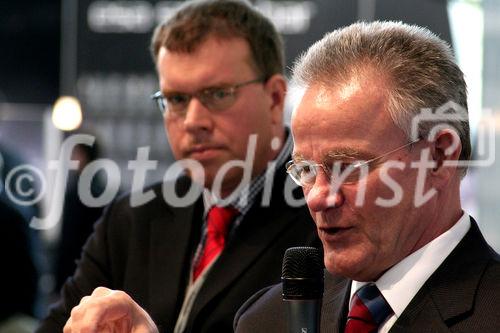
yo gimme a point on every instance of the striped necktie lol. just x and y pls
(369, 310)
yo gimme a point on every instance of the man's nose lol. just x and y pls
(198, 116)
(322, 194)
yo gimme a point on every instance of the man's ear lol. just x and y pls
(275, 86)
(445, 152)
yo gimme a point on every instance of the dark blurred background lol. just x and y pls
(97, 52)
(30, 44)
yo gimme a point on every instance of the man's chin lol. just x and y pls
(223, 184)
(344, 265)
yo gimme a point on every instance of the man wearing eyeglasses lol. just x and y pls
(384, 191)
(160, 267)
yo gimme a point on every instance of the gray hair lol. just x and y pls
(418, 66)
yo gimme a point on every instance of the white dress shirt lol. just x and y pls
(402, 281)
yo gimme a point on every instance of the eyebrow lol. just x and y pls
(340, 153)
(222, 84)
(297, 157)
(345, 153)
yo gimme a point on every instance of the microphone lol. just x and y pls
(302, 279)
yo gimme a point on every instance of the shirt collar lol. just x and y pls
(402, 281)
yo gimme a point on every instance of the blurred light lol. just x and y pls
(290, 17)
(67, 113)
(120, 16)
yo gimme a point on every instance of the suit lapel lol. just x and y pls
(242, 250)
(171, 237)
(449, 293)
(421, 315)
(255, 234)
(335, 303)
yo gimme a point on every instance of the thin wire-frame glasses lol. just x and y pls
(213, 98)
(304, 172)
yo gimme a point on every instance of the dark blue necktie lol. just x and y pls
(369, 310)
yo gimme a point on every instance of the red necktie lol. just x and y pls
(369, 310)
(218, 221)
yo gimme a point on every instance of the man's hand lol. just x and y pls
(109, 311)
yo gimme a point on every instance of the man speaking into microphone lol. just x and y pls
(187, 266)
(382, 184)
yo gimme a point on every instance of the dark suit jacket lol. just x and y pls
(18, 281)
(463, 295)
(146, 251)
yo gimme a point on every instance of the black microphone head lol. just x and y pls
(302, 273)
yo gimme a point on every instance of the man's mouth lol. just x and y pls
(204, 152)
(333, 233)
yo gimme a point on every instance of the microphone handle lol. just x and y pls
(303, 316)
